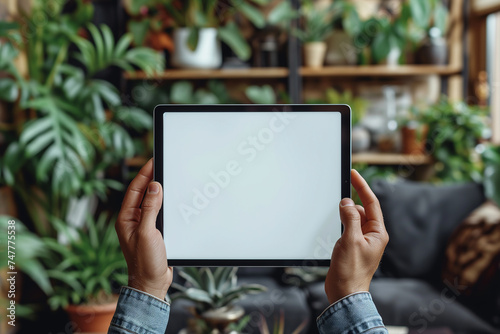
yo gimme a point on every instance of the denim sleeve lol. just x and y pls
(352, 314)
(139, 313)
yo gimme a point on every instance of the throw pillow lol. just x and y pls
(473, 253)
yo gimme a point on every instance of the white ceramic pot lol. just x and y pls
(360, 139)
(207, 54)
(314, 54)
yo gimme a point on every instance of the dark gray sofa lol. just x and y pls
(407, 288)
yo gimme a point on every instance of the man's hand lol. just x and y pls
(140, 240)
(357, 253)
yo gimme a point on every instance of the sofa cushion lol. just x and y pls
(420, 218)
(416, 304)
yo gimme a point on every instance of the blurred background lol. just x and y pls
(79, 80)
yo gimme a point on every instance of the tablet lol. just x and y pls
(251, 185)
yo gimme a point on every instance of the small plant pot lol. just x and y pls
(206, 55)
(314, 54)
(413, 139)
(433, 51)
(91, 318)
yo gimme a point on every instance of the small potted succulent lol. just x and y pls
(316, 26)
(83, 263)
(213, 294)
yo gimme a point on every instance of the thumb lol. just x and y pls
(151, 205)
(350, 218)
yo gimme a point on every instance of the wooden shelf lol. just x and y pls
(375, 158)
(379, 70)
(245, 73)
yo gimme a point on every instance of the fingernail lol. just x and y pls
(346, 202)
(153, 188)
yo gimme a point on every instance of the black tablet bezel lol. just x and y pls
(345, 112)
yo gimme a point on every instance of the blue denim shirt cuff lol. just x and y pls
(139, 312)
(355, 313)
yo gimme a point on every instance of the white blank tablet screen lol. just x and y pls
(251, 185)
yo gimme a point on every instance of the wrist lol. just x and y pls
(157, 291)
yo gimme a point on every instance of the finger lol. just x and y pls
(151, 206)
(350, 218)
(137, 187)
(368, 198)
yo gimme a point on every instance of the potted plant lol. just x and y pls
(199, 25)
(82, 270)
(316, 26)
(69, 125)
(455, 129)
(414, 134)
(213, 294)
(341, 49)
(431, 17)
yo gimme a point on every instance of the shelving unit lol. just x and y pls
(296, 77)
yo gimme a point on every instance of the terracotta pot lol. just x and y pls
(413, 139)
(314, 54)
(91, 318)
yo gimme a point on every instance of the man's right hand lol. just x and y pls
(357, 253)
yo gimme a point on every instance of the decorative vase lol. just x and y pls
(340, 49)
(433, 51)
(206, 55)
(314, 54)
(360, 139)
(91, 318)
(413, 138)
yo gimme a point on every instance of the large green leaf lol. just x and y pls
(251, 13)
(261, 95)
(9, 91)
(231, 35)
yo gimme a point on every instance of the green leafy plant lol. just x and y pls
(199, 14)
(491, 159)
(76, 124)
(427, 14)
(212, 289)
(345, 16)
(316, 23)
(81, 269)
(455, 129)
(28, 256)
